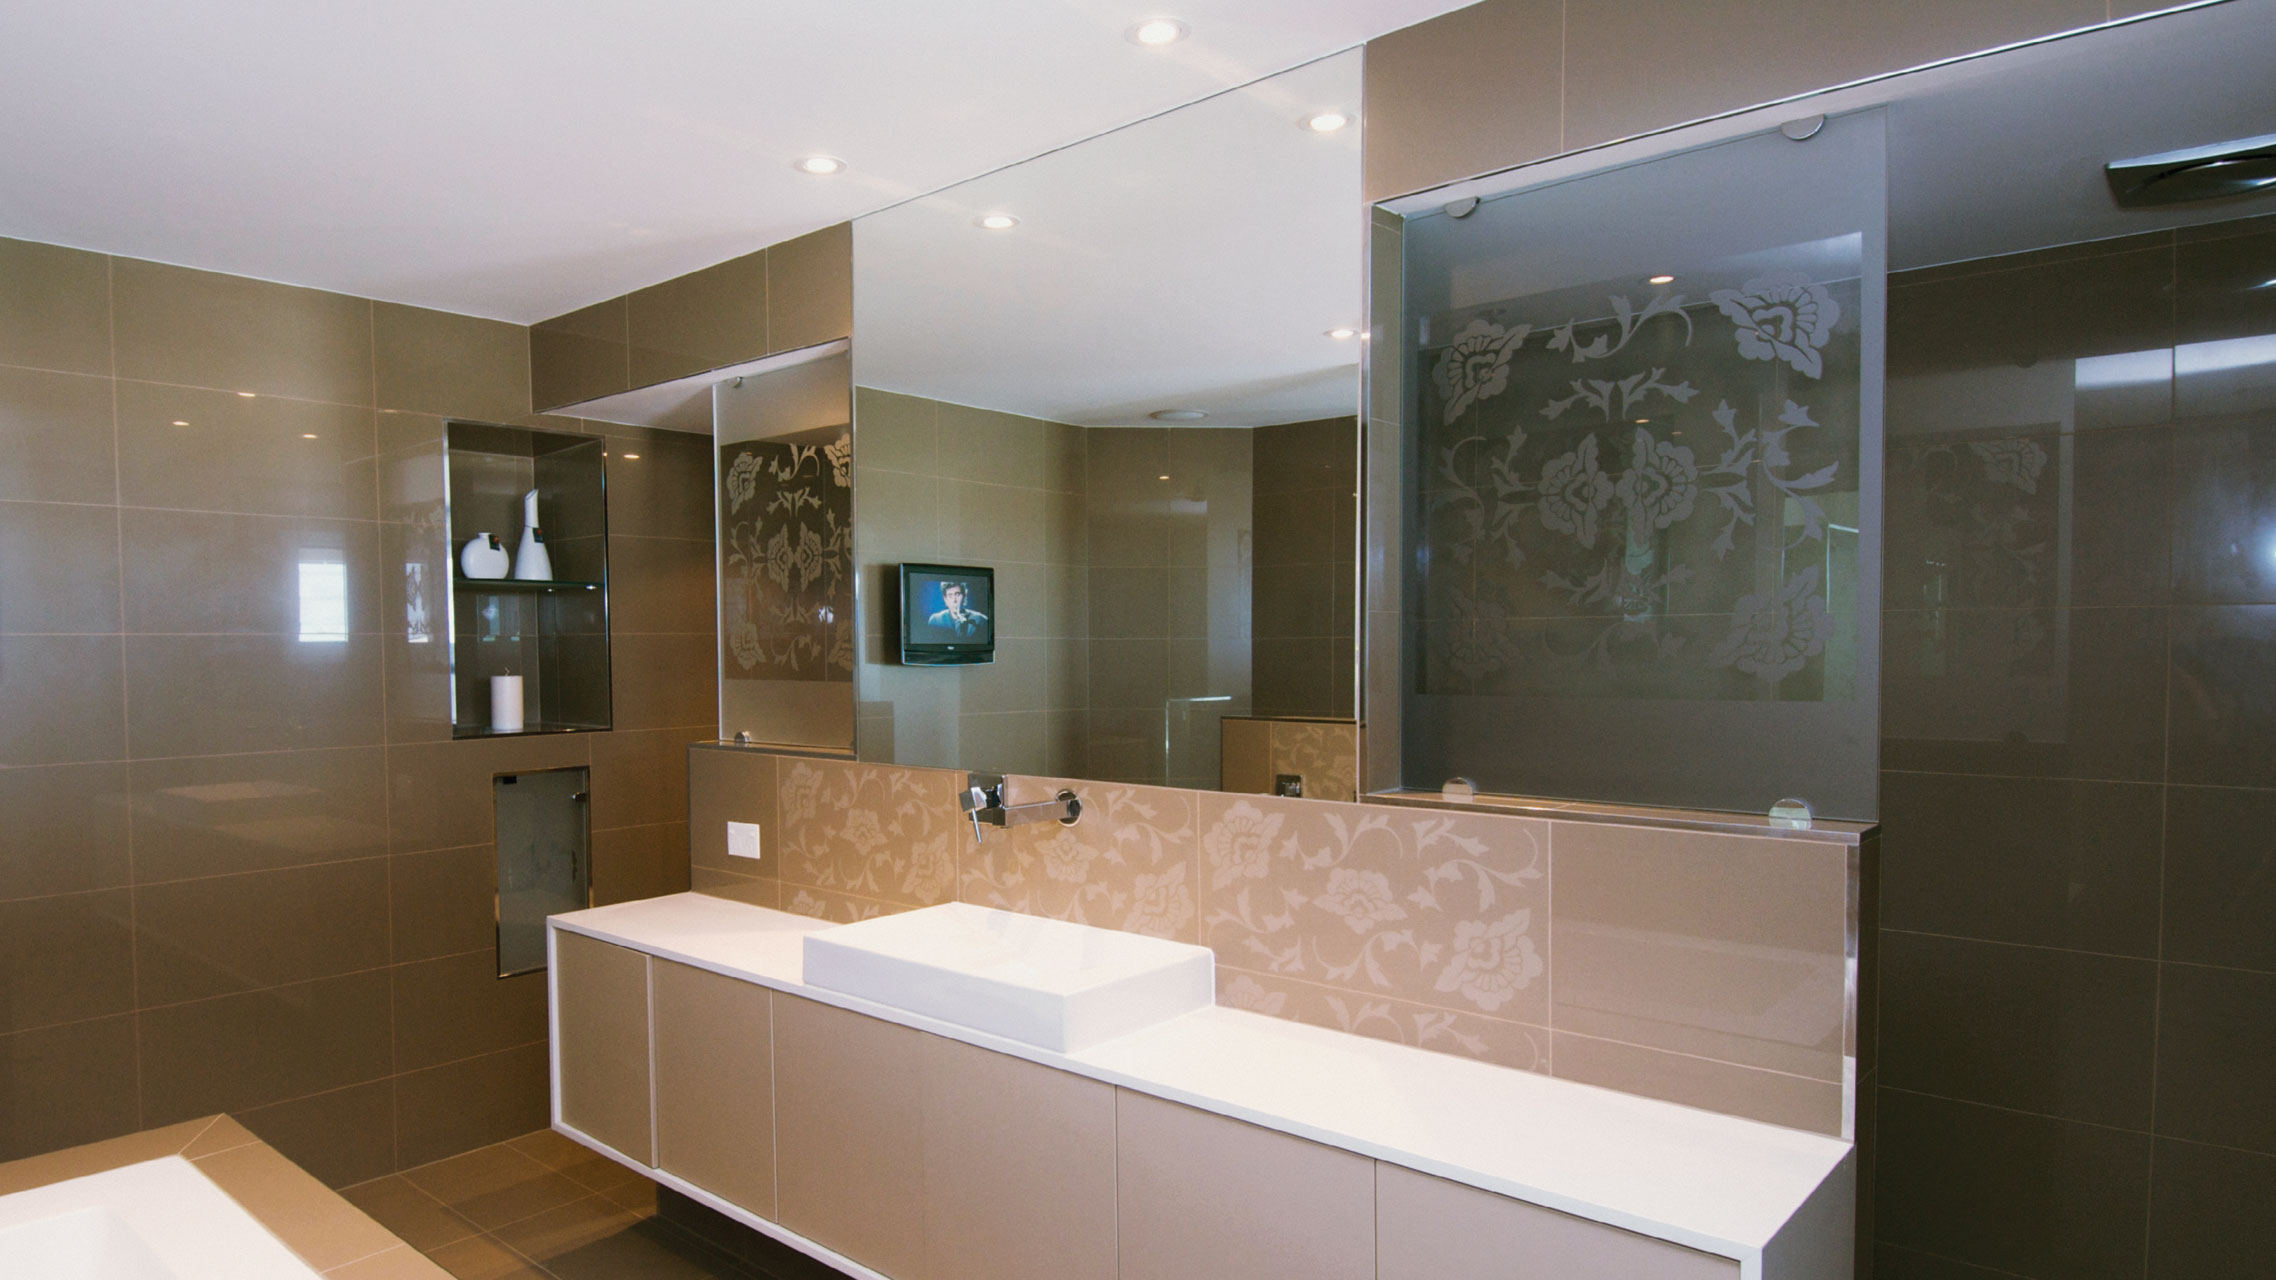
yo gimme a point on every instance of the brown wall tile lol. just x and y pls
(2023, 1194)
(662, 585)
(216, 815)
(1342, 1008)
(66, 830)
(65, 959)
(640, 778)
(246, 455)
(2220, 877)
(463, 366)
(62, 1086)
(2216, 1036)
(439, 793)
(59, 567)
(443, 902)
(243, 1051)
(809, 293)
(212, 695)
(55, 307)
(202, 328)
(1468, 92)
(449, 1109)
(459, 1007)
(2223, 721)
(342, 1137)
(198, 572)
(665, 681)
(702, 320)
(639, 862)
(57, 430)
(581, 355)
(200, 938)
(2209, 1212)
(2058, 1033)
(62, 700)
(666, 493)
(727, 785)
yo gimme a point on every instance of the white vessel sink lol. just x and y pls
(1049, 983)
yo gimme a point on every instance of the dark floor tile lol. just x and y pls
(2051, 693)
(482, 1258)
(2216, 1043)
(2038, 1197)
(2212, 1214)
(596, 1240)
(2059, 1033)
(761, 1254)
(418, 1218)
(2050, 863)
(63, 1086)
(2224, 696)
(2220, 877)
(495, 1185)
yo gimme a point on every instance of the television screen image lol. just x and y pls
(947, 614)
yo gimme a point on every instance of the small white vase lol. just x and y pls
(532, 563)
(483, 556)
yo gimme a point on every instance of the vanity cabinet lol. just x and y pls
(600, 1031)
(1430, 1229)
(1203, 1195)
(1019, 1168)
(714, 1065)
(850, 1174)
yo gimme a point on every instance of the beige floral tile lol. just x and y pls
(1438, 909)
(1469, 1035)
(837, 908)
(1323, 753)
(1128, 863)
(876, 831)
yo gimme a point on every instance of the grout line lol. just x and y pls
(126, 722)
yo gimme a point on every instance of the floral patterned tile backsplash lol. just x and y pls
(1425, 927)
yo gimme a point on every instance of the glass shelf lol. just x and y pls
(488, 586)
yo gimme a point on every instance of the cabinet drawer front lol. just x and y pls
(715, 1084)
(601, 1035)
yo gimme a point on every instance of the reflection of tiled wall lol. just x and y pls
(1307, 547)
(944, 483)
(2079, 785)
(244, 872)
(1705, 968)
(1322, 754)
(1169, 598)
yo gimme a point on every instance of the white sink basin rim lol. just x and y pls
(1053, 984)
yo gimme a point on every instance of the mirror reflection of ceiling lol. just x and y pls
(1197, 260)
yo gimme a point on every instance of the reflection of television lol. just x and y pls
(948, 615)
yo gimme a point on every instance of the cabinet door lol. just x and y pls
(1204, 1196)
(1431, 1229)
(849, 1169)
(600, 1037)
(1019, 1169)
(715, 1084)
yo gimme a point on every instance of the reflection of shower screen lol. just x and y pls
(544, 859)
(1644, 414)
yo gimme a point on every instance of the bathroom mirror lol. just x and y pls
(1124, 378)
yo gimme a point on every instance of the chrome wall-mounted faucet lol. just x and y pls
(983, 802)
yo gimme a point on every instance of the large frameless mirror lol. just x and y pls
(1108, 464)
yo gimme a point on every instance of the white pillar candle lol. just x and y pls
(506, 704)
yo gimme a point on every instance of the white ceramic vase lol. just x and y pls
(532, 564)
(483, 556)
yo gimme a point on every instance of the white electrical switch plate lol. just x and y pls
(743, 840)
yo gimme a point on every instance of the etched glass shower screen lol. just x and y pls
(1642, 444)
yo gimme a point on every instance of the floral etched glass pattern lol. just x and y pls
(787, 508)
(1638, 416)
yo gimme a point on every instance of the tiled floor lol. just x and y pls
(543, 1208)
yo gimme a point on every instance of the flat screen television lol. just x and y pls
(948, 615)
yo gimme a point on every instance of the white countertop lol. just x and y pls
(1708, 1181)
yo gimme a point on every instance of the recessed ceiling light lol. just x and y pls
(308, 435)
(1342, 335)
(821, 165)
(632, 457)
(247, 394)
(1661, 280)
(995, 221)
(1326, 121)
(1178, 415)
(181, 422)
(1161, 477)
(1156, 32)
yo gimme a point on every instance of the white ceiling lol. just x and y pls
(517, 159)
(1194, 260)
